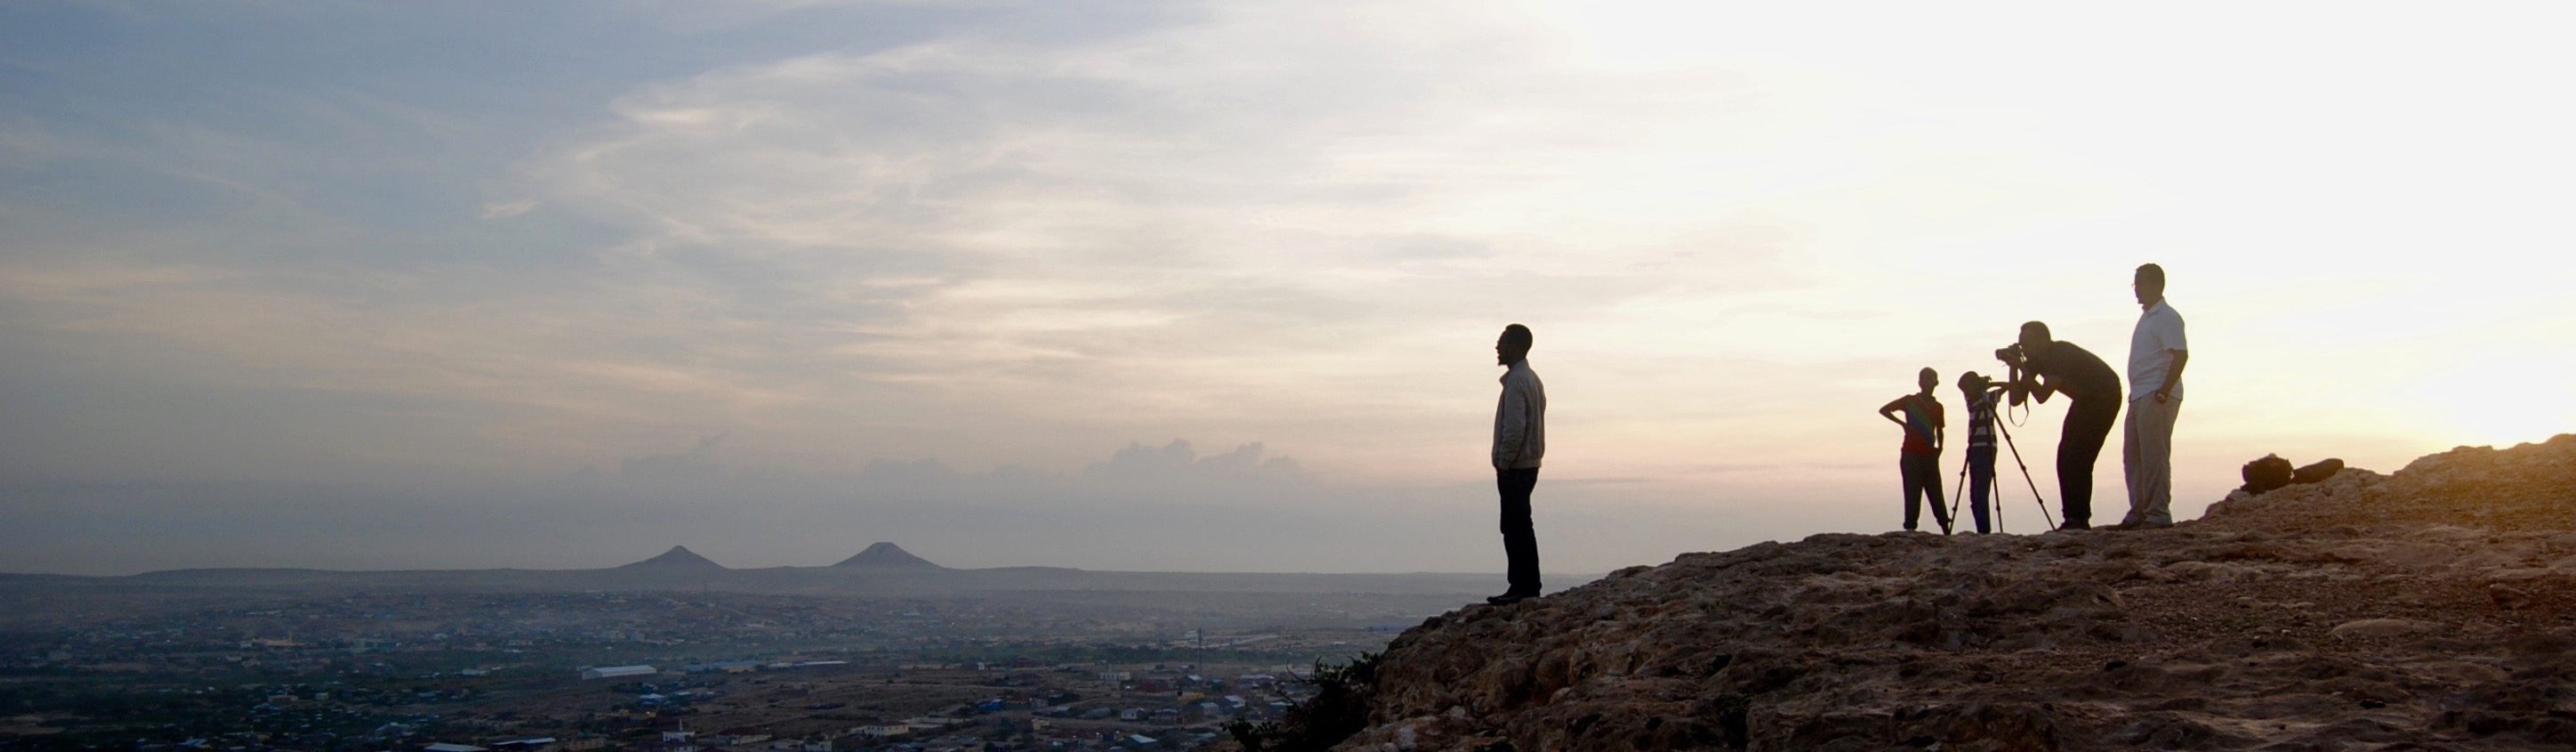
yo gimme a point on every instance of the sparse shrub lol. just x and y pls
(1251, 735)
(1338, 710)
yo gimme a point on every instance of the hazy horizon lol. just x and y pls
(1211, 286)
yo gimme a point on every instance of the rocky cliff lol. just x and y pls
(2431, 609)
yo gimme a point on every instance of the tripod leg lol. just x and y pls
(2025, 476)
(1996, 493)
(1961, 486)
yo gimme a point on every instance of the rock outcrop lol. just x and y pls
(2432, 609)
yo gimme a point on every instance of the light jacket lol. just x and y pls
(1520, 421)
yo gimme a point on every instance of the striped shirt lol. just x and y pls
(1981, 418)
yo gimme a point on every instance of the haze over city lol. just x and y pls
(1210, 286)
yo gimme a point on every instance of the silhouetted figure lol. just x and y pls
(1981, 395)
(2042, 367)
(1520, 437)
(1919, 460)
(2156, 357)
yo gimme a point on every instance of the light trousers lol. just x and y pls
(2146, 452)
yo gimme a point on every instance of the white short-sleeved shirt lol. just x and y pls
(2150, 358)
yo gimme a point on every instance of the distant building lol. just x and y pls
(616, 672)
(933, 722)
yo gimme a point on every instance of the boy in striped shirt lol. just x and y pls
(1980, 394)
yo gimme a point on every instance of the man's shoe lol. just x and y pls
(2125, 525)
(1510, 598)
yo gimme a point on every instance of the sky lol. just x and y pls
(1213, 286)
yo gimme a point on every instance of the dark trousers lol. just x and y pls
(1923, 477)
(1981, 483)
(1520, 540)
(2088, 424)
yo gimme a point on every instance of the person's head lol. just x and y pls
(2149, 284)
(1513, 346)
(2034, 339)
(1971, 383)
(1928, 379)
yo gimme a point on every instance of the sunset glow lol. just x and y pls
(766, 279)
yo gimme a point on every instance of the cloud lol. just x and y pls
(699, 463)
(986, 244)
(850, 237)
(1156, 229)
(508, 209)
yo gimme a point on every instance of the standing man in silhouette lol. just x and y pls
(2156, 356)
(1919, 460)
(1520, 436)
(2042, 367)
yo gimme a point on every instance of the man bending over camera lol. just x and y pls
(2041, 367)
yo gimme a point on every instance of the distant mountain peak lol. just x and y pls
(676, 558)
(883, 554)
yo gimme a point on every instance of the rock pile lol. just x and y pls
(2431, 609)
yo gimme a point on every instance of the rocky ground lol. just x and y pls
(2434, 609)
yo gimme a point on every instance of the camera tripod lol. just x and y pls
(2042, 501)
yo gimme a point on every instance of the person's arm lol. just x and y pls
(1889, 412)
(1511, 427)
(2043, 386)
(2173, 375)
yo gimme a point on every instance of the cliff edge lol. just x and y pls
(2431, 609)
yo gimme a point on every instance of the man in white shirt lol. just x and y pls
(2156, 358)
(1520, 436)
